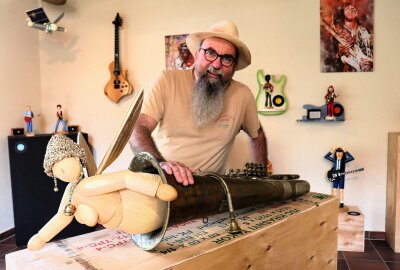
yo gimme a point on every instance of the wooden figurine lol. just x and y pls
(28, 117)
(339, 156)
(132, 202)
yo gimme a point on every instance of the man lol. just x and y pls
(200, 111)
(356, 52)
(339, 157)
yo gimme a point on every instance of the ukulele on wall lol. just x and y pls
(117, 86)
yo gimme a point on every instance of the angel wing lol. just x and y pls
(123, 134)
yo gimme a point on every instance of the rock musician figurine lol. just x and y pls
(28, 115)
(330, 102)
(268, 88)
(60, 119)
(339, 156)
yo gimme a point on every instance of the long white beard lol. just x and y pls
(208, 99)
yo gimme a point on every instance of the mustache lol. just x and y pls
(214, 70)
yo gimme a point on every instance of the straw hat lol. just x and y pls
(226, 30)
(56, 2)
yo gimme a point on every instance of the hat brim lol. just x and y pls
(193, 42)
(56, 2)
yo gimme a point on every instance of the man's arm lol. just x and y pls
(141, 141)
(259, 148)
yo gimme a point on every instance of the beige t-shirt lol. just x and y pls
(169, 103)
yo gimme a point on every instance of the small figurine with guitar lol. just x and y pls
(339, 156)
(330, 102)
(28, 115)
(268, 88)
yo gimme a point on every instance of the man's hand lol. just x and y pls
(366, 64)
(345, 48)
(180, 171)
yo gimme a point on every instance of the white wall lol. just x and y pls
(20, 86)
(283, 37)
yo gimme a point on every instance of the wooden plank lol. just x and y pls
(298, 234)
(392, 225)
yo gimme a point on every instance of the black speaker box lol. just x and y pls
(34, 200)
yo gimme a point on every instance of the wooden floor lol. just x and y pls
(377, 256)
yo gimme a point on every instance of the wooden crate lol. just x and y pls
(351, 230)
(392, 225)
(294, 235)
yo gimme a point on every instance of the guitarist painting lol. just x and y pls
(339, 156)
(346, 36)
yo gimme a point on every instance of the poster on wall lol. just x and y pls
(346, 35)
(177, 54)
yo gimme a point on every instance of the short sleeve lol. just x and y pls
(251, 123)
(154, 102)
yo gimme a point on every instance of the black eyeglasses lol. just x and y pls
(226, 59)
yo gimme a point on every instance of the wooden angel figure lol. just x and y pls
(125, 200)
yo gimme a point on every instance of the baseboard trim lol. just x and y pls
(375, 235)
(7, 234)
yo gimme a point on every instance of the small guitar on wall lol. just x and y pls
(271, 100)
(117, 86)
(335, 174)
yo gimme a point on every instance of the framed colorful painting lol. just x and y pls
(346, 35)
(177, 54)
